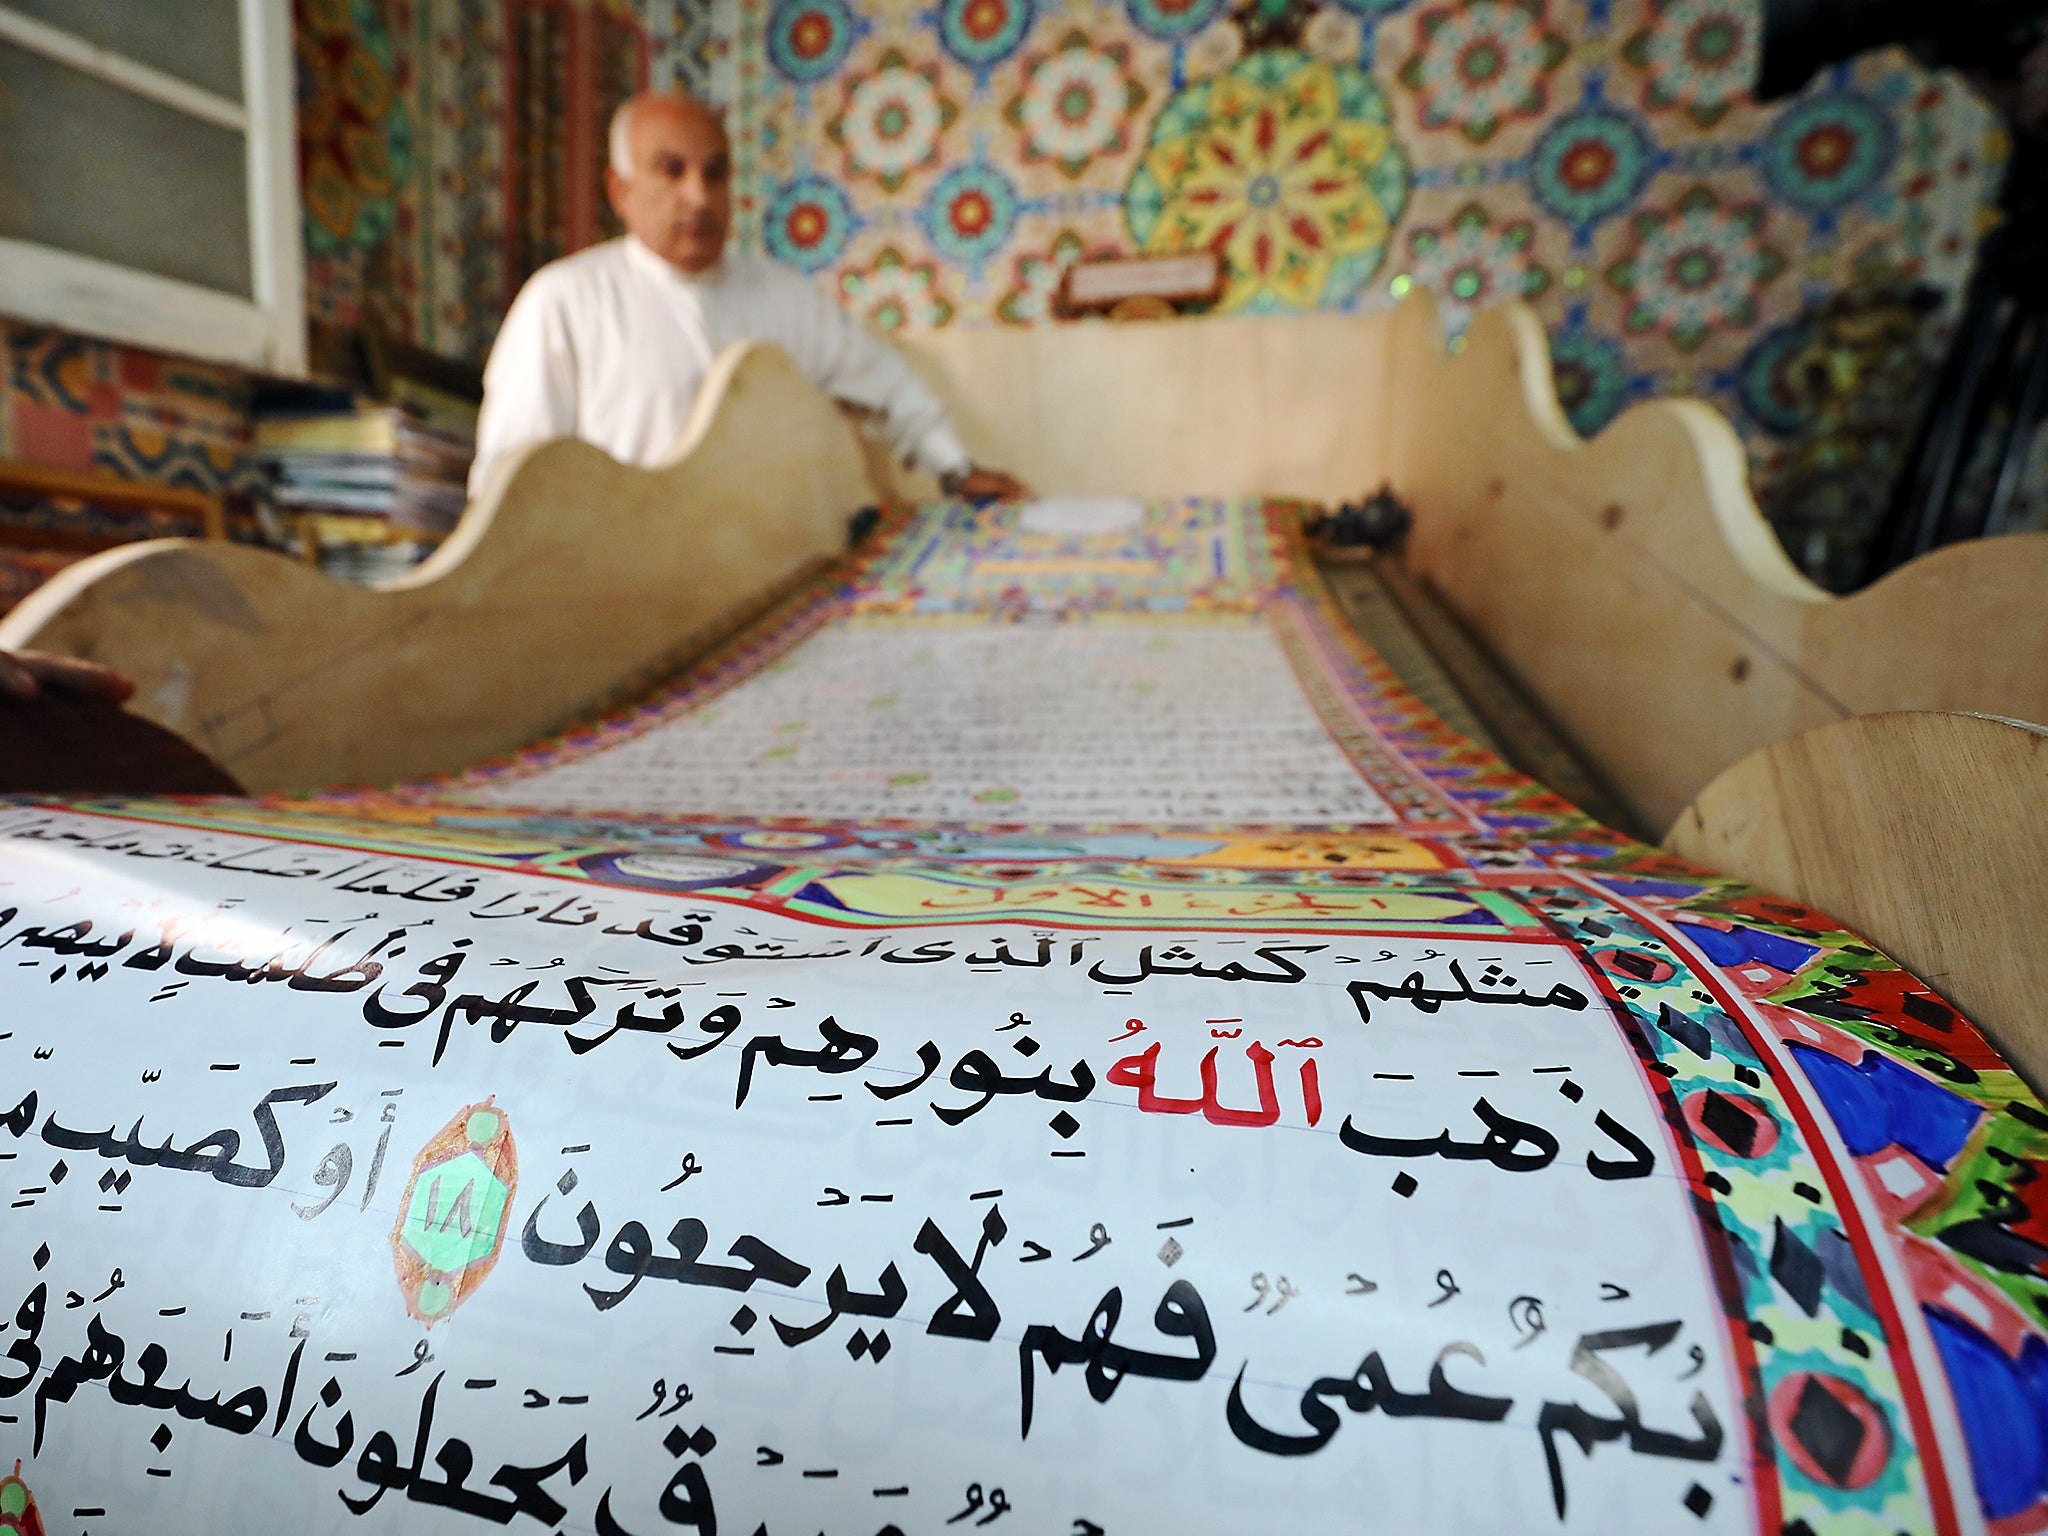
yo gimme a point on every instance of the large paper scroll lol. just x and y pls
(1265, 1113)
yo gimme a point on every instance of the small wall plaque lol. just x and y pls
(1127, 283)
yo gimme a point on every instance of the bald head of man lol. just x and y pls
(670, 178)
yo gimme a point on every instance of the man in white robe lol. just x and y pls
(612, 344)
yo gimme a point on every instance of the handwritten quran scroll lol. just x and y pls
(1268, 1113)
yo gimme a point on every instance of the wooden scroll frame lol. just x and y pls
(571, 577)
(1925, 833)
(1628, 583)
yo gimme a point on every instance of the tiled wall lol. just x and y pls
(937, 163)
(1600, 158)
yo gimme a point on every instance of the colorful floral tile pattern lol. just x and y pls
(1284, 164)
(1480, 64)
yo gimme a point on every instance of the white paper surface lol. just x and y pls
(1303, 1258)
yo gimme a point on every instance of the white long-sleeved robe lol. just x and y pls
(612, 344)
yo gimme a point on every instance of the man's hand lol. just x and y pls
(978, 484)
(32, 674)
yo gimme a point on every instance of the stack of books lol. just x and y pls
(369, 490)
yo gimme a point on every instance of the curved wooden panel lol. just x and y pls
(1634, 589)
(1927, 833)
(1222, 405)
(571, 577)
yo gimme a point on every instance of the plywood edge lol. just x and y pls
(1925, 832)
(715, 397)
(1690, 447)
(568, 574)
(28, 623)
(1962, 628)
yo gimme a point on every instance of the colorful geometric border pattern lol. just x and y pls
(1950, 1144)
(1191, 554)
(1792, 1248)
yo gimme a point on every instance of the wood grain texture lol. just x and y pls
(1926, 833)
(1632, 587)
(571, 576)
(1220, 405)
